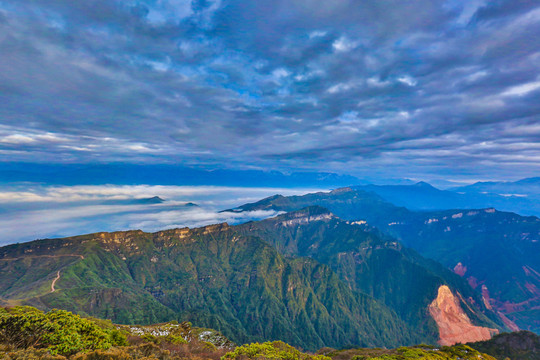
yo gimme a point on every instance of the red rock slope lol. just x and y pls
(454, 325)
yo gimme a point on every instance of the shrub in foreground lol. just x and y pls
(270, 350)
(59, 331)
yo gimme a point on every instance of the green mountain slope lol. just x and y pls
(494, 249)
(371, 263)
(213, 276)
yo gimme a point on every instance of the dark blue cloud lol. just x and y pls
(417, 89)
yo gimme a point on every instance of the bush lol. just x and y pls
(8, 353)
(270, 350)
(176, 339)
(59, 331)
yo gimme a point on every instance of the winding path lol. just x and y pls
(54, 281)
(45, 256)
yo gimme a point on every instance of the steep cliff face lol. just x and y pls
(454, 325)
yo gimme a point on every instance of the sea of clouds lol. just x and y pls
(30, 211)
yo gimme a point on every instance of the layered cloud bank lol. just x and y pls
(423, 87)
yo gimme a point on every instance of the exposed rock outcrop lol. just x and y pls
(454, 325)
(460, 269)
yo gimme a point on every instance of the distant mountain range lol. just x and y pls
(529, 186)
(164, 174)
(497, 252)
(522, 197)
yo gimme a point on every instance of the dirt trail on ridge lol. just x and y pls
(54, 281)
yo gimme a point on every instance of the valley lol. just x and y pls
(497, 252)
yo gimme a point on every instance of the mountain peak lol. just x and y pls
(341, 190)
(273, 197)
(424, 185)
(150, 200)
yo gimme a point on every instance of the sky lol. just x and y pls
(378, 88)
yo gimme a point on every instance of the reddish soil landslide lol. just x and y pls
(454, 325)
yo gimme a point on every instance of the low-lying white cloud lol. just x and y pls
(39, 212)
(193, 218)
(64, 194)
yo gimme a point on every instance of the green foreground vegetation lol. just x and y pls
(27, 333)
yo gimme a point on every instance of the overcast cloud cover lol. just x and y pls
(419, 89)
